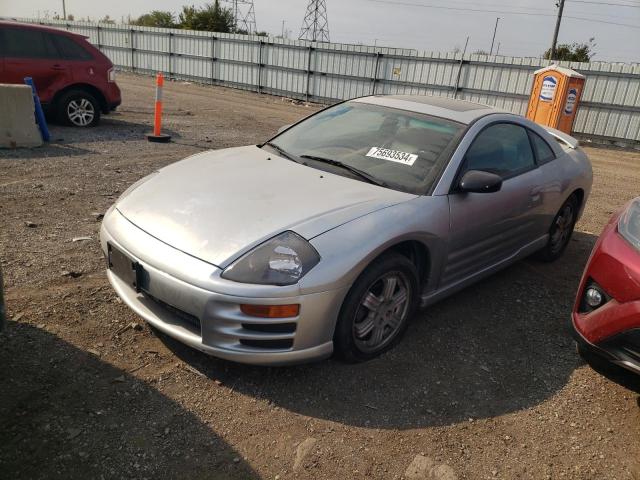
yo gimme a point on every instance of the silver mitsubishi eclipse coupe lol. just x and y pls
(327, 237)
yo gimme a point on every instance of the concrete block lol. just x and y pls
(18, 126)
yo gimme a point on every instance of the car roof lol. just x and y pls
(32, 26)
(460, 111)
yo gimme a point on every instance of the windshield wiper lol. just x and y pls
(356, 171)
(282, 152)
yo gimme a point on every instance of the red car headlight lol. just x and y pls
(629, 224)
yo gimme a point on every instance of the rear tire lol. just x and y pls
(377, 309)
(78, 108)
(560, 231)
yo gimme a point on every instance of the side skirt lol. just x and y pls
(429, 298)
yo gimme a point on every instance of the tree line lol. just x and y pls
(211, 17)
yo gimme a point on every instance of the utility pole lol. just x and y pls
(64, 11)
(554, 43)
(495, 29)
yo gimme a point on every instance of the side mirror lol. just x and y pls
(283, 128)
(479, 181)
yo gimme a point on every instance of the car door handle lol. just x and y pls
(58, 67)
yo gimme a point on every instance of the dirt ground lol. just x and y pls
(486, 382)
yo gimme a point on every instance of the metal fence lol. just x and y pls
(328, 72)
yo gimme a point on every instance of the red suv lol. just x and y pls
(606, 315)
(75, 81)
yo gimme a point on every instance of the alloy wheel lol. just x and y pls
(382, 311)
(80, 112)
(562, 228)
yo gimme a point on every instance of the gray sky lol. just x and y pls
(409, 24)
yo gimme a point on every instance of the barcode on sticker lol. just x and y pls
(393, 155)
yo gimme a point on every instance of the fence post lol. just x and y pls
(375, 73)
(307, 94)
(260, 66)
(170, 55)
(213, 58)
(98, 34)
(133, 64)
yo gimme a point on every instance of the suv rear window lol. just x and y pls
(69, 49)
(26, 43)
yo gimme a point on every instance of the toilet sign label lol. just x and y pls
(548, 90)
(572, 96)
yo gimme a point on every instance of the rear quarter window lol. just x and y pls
(544, 153)
(70, 49)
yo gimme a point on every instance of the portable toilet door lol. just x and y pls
(555, 96)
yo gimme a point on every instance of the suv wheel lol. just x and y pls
(79, 109)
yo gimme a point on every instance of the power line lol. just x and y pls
(409, 4)
(460, 9)
(605, 3)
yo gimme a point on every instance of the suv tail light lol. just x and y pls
(111, 75)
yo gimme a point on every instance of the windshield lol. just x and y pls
(399, 149)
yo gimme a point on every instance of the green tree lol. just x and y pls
(212, 17)
(575, 52)
(156, 18)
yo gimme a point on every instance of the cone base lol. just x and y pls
(162, 138)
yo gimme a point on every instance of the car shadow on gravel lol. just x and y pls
(66, 414)
(65, 140)
(497, 347)
(110, 129)
(49, 150)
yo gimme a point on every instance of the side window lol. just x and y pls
(503, 149)
(544, 154)
(26, 43)
(70, 49)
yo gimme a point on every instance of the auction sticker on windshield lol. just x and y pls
(393, 155)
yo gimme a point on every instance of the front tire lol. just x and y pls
(560, 231)
(377, 309)
(78, 108)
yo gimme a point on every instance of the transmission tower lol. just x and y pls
(244, 15)
(315, 26)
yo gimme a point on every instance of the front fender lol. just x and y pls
(348, 249)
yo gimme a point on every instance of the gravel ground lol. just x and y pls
(486, 384)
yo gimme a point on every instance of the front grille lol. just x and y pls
(268, 344)
(181, 314)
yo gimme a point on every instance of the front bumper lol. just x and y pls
(622, 349)
(176, 300)
(611, 330)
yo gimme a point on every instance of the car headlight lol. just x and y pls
(629, 224)
(282, 260)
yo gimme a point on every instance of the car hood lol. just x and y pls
(219, 204)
